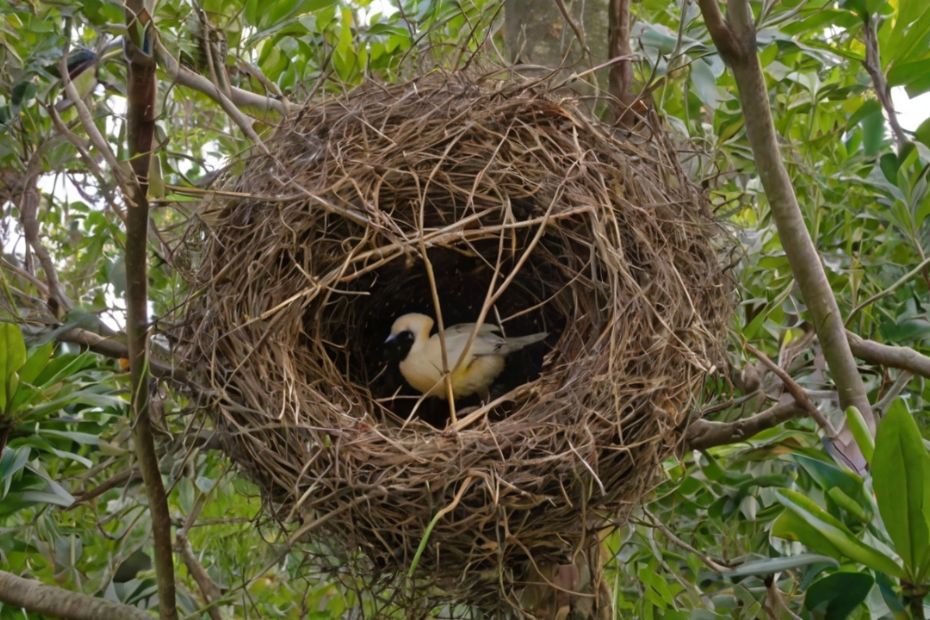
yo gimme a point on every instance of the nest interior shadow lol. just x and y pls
(490, 197)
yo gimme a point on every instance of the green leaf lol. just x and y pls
(901, 477)
(873, 132)
(828, 475)
(861, 433)
(837, 595)
(12, 461)
(36, 362)
(774, 565)
(923, 133)
(853, 507)
(871, 106)
(12, 358)
(790, 526)
(705, 84)
(910, 75)
(828, 528)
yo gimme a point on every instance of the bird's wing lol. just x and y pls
(466, 328)
(486, 342)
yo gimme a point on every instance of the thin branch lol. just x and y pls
(112, 482)
(620, 78)
(83, 149)
(124, 179)
(238, 96)
(873, 65)
(891, 289)
(888, 355)
(140, 129)
(899, 385)
(579, 34)
(44, 599)
(712, 564)
(208, 589)
(797, 392)
(28, 202)
(703, 434)
(736, 40)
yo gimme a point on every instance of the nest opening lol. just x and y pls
(356, 342)
(515, 203)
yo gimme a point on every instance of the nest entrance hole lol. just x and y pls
(464, 276)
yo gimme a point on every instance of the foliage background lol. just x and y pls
(72, 508)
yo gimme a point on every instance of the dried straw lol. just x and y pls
(498, 200)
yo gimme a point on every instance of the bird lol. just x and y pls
(420, 355)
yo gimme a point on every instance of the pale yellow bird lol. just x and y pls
(421, 355)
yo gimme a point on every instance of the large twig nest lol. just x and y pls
(521, 206)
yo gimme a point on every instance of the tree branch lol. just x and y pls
(53, 601)
(576, 29)
(873, 65)
(113, 347)
(891, 289)
(28, 202)
(903, 358)
(620, 77)
(797, 392)
(140, 124)
(719, 30)
(703, 434)
(735, 38)
(238, 96)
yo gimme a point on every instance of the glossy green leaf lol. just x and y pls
(861, 433)
(790, 526)
(12, 461)
(828, 475)
(836, 596)
(36, 362)
(12, 358)
(901, 475)
(775, 565)
(834, 532)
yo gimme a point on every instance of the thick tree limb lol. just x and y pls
(57, 602)
(904, 358)
(703, 434)
(114, 346)
(735, 39)
(140, 117)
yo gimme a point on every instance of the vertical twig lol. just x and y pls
(620, 78)
(27, 200)
(735, 38)
(873, 65)
(140, 114)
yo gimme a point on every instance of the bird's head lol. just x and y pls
(405, 331)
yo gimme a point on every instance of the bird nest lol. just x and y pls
(467, 201)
